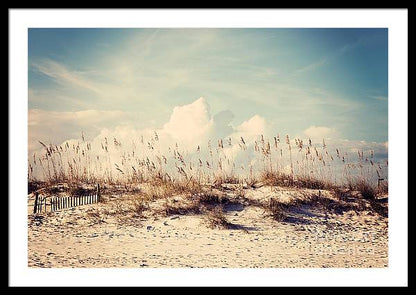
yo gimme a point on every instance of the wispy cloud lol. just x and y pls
(63, 75)
(313, 66)
(327, 59)
(379, 97)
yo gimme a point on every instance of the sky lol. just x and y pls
(194, 84)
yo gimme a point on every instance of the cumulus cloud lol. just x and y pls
(319, 132)
(189, 123)
(253, 127)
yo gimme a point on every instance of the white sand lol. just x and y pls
(309, 238)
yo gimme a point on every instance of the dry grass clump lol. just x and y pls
(216, 218)
(211, 198)
(315, 200)
(374, 195)
(35, 185)
(281, 210)
(276, 179)
(159, 189)
(277, 210)
(128, 209)
(81, 191)
(285, 180)
(138, 205)
(224, 179)
(383, 188)
(210, 204)
(367, 191)
(194, 204)
(96, 217)
(312, 183)
(183, 207)
(379, 207)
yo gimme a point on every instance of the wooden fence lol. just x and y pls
(52, 204)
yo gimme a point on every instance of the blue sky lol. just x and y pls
(332, 82)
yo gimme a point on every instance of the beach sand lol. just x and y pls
(310, 237)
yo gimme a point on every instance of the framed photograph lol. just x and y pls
(208, 147)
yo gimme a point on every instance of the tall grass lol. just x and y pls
(175, 169)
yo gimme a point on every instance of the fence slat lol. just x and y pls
(36, 202)
(58, 203)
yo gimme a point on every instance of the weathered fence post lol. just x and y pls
(98, 193)
(36, 202)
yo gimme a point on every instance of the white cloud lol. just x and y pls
(252, 128)
(319, 132)
(56, 127)
(190, 123)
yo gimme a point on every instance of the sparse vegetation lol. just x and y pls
(277, 209)
(187, 184)
(217, 219)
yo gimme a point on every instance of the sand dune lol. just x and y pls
(309, 236)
